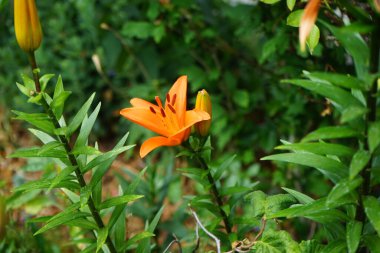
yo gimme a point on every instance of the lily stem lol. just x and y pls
(64, 140)
(214, 192)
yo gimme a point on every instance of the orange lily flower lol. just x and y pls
(308, 20)
(172, 121)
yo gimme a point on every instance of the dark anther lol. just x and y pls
(174, 98)
(171, 108)
(168, 97)
(162, 112)
(152, 110)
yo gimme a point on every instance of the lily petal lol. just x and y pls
(192, 117)
(155, 142)
(179, 91)
(138, 102)
(308, 20)
(146, 118)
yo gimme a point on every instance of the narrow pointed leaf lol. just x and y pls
(319, 148)
(358, 162)
(331, 133)
(354, 230)
(333, 169)
(79, 117)
(344, 187)
(372, 209)
(118, 201)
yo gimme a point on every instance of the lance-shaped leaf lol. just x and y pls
(353, 233)
(372, 209)
(118, 201)
(358, 162)
(338, 95)
(333, 169)
(344, 187)
(319, 148)
(79, 117)
(39, 120)
(335, 132)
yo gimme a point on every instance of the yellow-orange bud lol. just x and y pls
(307, 22)
(203, 103)
(27, 25)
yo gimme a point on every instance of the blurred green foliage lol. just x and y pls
(238, 52)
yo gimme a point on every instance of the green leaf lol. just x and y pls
(337, 246)
(81, 114)
(27, 92)
(241, 98)
(265, 205)
(59, 98)
(137, 29)
(333, 169)
(118, 201)
(44, 80)
(135, 239)
(355, 46)
(42, 136)
(345, 81)
(353, 233)
(63, 219)
(50, 146)
(352, 113)
(319, 148)
(45, 183)
(62, 176)
(86, 127)
(372, 209)
(40, 120)
(311, 246)
(270, 1)
(334, 132)
(35, 152)
(85, 150)
(302, 198)
(358, 162)
(28, 82)
(372, 242)
(290, 4)
(344, 187)
(82, 223)
(233, 190)
(276, 242)
(313, 38)
(101, 238)
(316, 210)
(373, 136)
(145, 243)
(224, 166)
(294, 18)
(105, 157)
(104, 166)
(338, 95)
(120, 230)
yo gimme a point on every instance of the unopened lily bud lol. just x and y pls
(203, 103)
(308, 19)
(27, 25)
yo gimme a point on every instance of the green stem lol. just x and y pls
(371, 116)
(214, 192)
(63, 139)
